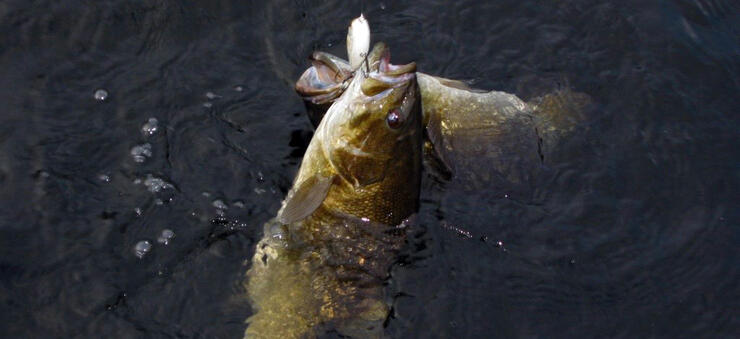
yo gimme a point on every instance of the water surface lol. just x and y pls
(631, 231)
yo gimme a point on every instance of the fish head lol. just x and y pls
(375, 126)
(365, 156)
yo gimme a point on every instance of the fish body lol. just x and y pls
(473, 136)
(322, 261)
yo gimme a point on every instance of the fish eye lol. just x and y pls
(393, 119)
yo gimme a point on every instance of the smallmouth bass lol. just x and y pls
(322, 261)
(472, 136)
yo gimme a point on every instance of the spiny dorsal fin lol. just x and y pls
(304, 198)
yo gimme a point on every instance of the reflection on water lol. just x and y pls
(629, 231)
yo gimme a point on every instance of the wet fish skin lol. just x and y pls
(379, 165)
(485, 137)
(322, 262)
(474, 137)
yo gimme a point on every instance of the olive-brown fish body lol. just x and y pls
(323, 260)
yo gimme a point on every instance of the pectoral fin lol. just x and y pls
(304, 198)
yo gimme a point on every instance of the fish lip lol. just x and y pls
(393, 83)
(387, 68)
(384, 63)
(391, 80)
(325, 80)
(340, 67)
(386, 75)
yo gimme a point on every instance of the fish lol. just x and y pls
(493, 137)
(322, 261)
(472, 136)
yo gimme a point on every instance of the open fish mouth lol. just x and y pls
(325, 80)
(329, 76)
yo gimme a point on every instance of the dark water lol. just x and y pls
(632, 232)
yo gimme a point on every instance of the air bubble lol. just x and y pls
(150, 127)
(165, 236)
(141, 152)
(142, 248)
(218, 203)
(238, 88)
(104, 177)
(276, 232)
(101, 94)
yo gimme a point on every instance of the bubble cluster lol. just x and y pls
(155, 185)
(141, 152)
(150, 127)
